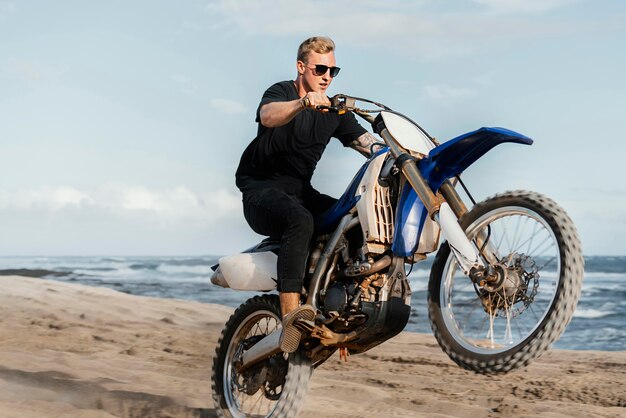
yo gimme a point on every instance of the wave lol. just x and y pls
(113, 259)
(591, 313)
(189, 261)
(203, 269)
(39, 273)
(144, 266)
(87, 269)
(605, 264)
(611, 286)
(604, 276)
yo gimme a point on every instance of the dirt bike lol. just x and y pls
(503, 286)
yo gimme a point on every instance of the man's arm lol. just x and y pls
(277, 114)
(364, 143)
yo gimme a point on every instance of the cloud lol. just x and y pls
(445, 92)
(52, 198)
(122, 219)
(179, 203)
(179, 78)
(142, 199)
(6, 8)
(185, 83)
(419, 29)
(192, 26)
(284, 18)
(32, 72)
(227, 106)
(522, 6)
(22, 69)
(484, 79)
(170, 205)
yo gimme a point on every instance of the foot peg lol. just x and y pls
(304, 326)
(294, 323)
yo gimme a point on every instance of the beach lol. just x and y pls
(70, 350)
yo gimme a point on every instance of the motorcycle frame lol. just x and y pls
(444, 207)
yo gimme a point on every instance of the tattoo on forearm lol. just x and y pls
(364, 143)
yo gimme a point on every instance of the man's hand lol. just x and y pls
(277, 114)
(314, 99)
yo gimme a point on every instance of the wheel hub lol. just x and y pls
(268, 375)
(509, 284)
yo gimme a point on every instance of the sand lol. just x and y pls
(68, 350)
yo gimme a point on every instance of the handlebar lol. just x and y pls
(331, 109)
(341, 103)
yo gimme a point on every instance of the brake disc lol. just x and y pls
(512, 287)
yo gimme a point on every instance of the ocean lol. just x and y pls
(599, 322)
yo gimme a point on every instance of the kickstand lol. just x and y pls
(343, 354)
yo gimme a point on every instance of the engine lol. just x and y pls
(342, 303)
(342, 306)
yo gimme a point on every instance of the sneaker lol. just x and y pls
(290, 337)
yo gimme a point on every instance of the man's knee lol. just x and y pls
(302, 223)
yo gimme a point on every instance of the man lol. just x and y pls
(275, 170)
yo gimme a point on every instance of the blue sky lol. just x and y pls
(122, 123)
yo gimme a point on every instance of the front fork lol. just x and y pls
(447, 213)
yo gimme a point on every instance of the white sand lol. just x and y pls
(68, 350)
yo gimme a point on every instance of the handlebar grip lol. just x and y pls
(331, 109)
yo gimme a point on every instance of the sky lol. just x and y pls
(122, 122)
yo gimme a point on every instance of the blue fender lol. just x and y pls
(452, 157)
(409, 222)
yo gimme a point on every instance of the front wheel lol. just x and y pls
(274, 387)
(498, 327)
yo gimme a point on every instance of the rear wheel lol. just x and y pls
(274, 387)
(501, 326)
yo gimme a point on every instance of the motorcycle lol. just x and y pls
(503, 285)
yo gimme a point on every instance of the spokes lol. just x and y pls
(493, 319)
(250, 394)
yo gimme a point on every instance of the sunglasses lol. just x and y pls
(320, 70)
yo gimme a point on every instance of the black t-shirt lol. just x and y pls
(287, 155)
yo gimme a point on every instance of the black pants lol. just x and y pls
(288, 217)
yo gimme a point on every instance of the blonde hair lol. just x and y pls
(319, 44)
